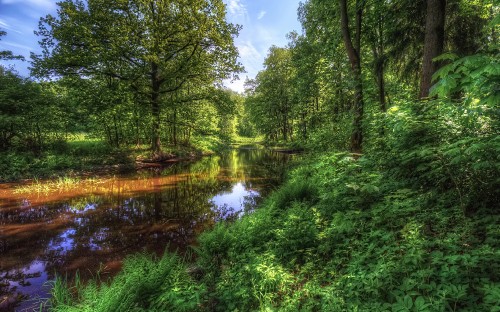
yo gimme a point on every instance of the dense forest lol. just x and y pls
(393, 204)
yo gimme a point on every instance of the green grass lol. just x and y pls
(247, 140)
(63, 183)
(145, 284)
(61, 159)
(81, 154)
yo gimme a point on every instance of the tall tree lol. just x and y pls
(376, 22)
(433, 44)
(156, 46)
(270, 100)
(354, 53)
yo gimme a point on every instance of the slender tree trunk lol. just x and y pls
(155, 109)
(353, 52)
(175, 127)
(433, 45)
(357, 129)
(137, 128)
(378, 55)
(117, 138)
(381, 88)
(379, 77)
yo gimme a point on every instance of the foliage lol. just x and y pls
(28, 113)
(6, 54)
(145, 284)
(173, 55)
(62, 158)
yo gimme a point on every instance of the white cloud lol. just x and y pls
(16, 25)
(261, 15)
(3, 24)
(237, 8)
(6, 26)
(48, 4)
(17, 45)
(247, 50)
(267, 35)
(251, 57)
(237, 85)
(33, 9)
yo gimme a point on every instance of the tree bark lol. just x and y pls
(379, 59)
(155, 109)
(379, 69)
(433, 44)
(175, 127)
(353, 52)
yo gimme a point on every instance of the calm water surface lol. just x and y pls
(92, 227)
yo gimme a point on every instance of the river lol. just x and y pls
(91, 226)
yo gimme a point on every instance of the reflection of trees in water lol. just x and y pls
(104, 227)
(256, 167)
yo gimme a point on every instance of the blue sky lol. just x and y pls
(265, 22)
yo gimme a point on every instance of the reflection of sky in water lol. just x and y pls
(34, 284)
(233, 202)
(64, 242)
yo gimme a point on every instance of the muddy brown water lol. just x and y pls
(90, 228)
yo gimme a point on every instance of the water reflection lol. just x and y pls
(93, 227)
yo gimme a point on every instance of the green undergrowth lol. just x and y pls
(76, 156)
(410, 226)
(341, 236)
(61, 158)
(237, 139)
(145, 284)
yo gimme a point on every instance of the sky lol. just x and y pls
(265, 23)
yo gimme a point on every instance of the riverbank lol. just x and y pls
(341, 235)
(88, 157)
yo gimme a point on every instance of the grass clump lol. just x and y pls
(64, 183)
(145, 284)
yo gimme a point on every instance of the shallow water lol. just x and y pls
(89, 228)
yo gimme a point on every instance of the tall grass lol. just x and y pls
(64, 183)
(145, 284)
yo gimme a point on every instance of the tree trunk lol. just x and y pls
(381, 88)
(117, 137)
(174, 134)
(379, 59)
(155, 109)
(379, 76)
(353, 52)
(433, 44)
